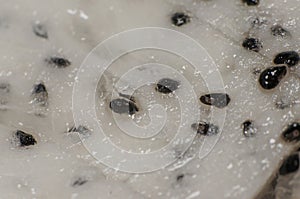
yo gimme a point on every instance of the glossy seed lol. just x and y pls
(248, 128)
(204, 128)
(24, 139)
(290, 165)
(219, 100)
(271, 77)
(40, 31)
(290, 58)
(278, 30)
(179, 19)
(58, 62)
(252, 44)
(167, 85)
(123, 106)
(251, 2)
(292, 132)
(39, 88)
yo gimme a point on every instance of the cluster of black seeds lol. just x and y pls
(290, 58)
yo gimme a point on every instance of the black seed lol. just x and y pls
(271, 77)
(167, 85)
(278, 30)
(219, 100)
(180, 177)
(40, 31)
(4, 87)
(292, 132)
(179, 19)
(123, 106)
(79, 182)
(290, 58)
(204, 128)
(248, 128)
(80, 129)
(252, 44)
(290, 165)
(39, 88)
(59, 62)
(251, 2)
(24, 138)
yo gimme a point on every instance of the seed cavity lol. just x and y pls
(252, 44)
(279, 31)
(204, 128)
(123, 106)
(219, 100)
(272, 76)
(40, 30)
(249, 129)
(167, 85)
(292, 132)
(179, 19)
(290, 58)
(23, 139)
(59, 62)
(290, 165)
(251, 2)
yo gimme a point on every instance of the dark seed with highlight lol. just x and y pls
(179, 19)
(24, 139)
(204, 128)
(248, 128)
(251, 2)
(79, 182)
(292, 132)
(167, 85)
(39, 88)
(252, 44)
(122, 106)
(219, 100)
(290, 58)
(59, 62)
(290, 165)
(271, 77)
(279, 31)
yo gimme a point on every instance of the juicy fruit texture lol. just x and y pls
(122, 106)
(24, 139)
(237, 167)
(219, 100)
(271, 77)
(252, 44)
(290, 58)
(167, 85)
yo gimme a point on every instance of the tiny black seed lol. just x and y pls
(123, 106)
(4, 87)
(278, 30)
(219, 100)
(204, 128)
(271, 77)
(292, 132)
(180, 177)
(40, 31)
(290, 58)
(248, 128)
(39, 88)
(252, 44)
(79, 182)
(167, 85)
(251, 2)
(80, 129)
(179, 19)
(24, 138)
(290, 165)
(59, 62)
